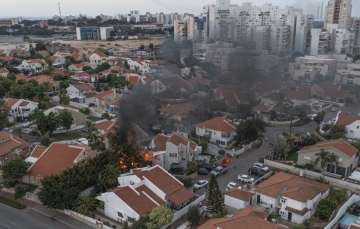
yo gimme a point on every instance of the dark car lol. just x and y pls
(206, 166)
(203, 171)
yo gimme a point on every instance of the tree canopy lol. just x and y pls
(214, 200)
(13, 171)
(249, 131)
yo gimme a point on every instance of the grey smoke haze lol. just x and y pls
(46, 8)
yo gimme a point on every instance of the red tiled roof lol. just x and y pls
(9, 102)
(10, 143)
(104, 94)
(218, 124)
(137, 200)
(160, 142)
(239, 194)
(174, 189)
(247, 218)
(105, 126)
(346, 119)
(83, 87)
(178, 109)
(340, 144)
(56, 159)
(38, 151)
(291, 186)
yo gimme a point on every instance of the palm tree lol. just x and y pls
(322, 158)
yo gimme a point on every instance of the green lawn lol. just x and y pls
(293, 156)
(11, 203)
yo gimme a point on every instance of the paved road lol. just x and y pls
(11, 218)
(242, 164)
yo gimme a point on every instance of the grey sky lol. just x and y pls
(41, 8)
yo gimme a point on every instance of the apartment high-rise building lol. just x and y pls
(320, 42)
(184, 29)
(223, 20)
(356, 28)
(339, 12)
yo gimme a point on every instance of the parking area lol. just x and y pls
(239, 166)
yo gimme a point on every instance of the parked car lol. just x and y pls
(200, 184)
(231, 185)
(261, 166)
(203, 171)
(206, 166)
(257, 171)
(245, 179)
(217, 171)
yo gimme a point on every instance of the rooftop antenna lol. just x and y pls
(59, 6)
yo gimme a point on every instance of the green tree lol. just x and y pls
(4, 111)
(159, 217)
(250, 130)
(96, 141)
(66, 119)
(141, 223)
(13, 171)
(64, 99)
(214, 200)
(193, 216)
(87, 205)
(325, 158)
(336, 132)
(88, 69)
(108, 177)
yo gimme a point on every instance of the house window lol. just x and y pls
(120, 215)
(283, 201)
(173, 154)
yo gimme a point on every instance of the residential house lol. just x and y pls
(79, 92)
(178, 111)
(11, 146)
(142, 190)
(76, 67)
(244, 219)
(54, 160)
(238, 199)
(35, 154)
(141, 66)
(294, 198)
(179, 149)
(347, 157)
(157, 87)
(219, 131)
(104, 101)
(135, 79)
(33, 66)
(97, 58)
(20, 108)
(351, 123)
(106, 129)
(4, 72)
(59, 61)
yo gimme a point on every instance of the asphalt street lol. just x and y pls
(245, 161)
(11, 218)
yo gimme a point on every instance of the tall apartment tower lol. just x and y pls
(184, 29)
(339, 12)
(223, 20)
